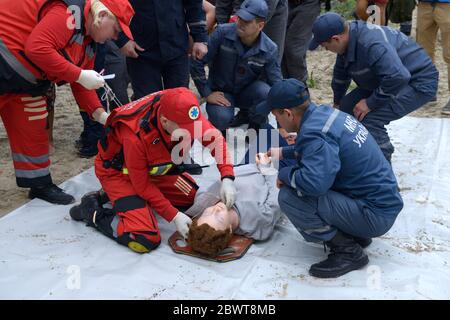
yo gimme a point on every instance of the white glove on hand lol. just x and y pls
(100, 115)
(228, 192)
(182, 223)
(90, 79)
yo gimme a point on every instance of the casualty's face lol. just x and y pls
(216, 217)
(106, 29)
(247, 28)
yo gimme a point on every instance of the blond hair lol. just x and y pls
(96, 7)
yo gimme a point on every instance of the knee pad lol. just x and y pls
(138, 242)
(137, 228)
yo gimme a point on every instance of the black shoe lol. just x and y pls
(346, 255)
(51, 193)
(87, 151)
(363, 242)
(86, 209)
(240, 119)
(101, 196)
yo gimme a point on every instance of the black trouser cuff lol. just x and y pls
(34, 182)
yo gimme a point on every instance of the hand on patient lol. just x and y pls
(182, 223)
(275, 153)
(265, 164)
(228, 192)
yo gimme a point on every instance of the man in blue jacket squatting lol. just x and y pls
(342, 190)
(395, 76)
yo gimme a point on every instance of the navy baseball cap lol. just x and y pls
(251, 9)
(284, 94)
(326, 26)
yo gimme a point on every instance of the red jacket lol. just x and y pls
(36, 34)
(144, 151)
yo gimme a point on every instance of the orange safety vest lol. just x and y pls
(141, 116)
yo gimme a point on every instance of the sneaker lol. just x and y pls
(51, 193)
(446, 109)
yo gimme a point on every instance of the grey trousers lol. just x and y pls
(298, 35)
(276, 25)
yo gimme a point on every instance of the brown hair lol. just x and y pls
(206, 240)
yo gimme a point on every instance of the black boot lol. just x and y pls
(51, 193)
(363, 242)
(101, 196)
(346, 255)
(87, 151)
(86, 209)
(240, 119)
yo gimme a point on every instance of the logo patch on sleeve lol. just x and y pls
(194, 113)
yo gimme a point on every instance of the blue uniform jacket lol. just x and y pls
(159, 26)
(336, 152)
(383, 60)
(231, 68)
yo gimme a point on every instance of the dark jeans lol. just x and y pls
(246, 100)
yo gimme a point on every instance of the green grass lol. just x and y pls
(343, 8)
(311, 83)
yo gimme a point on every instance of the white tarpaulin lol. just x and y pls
(46, 255)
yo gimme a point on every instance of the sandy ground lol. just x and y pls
(68, 126)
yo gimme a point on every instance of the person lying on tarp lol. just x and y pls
(253, 215)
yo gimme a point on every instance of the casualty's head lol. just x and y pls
(107, 18)
(331, 31)
(288, 100)
(179, 109)
(211, 231)
(251, 18)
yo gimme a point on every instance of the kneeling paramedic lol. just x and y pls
(342, 190)
(137, 170)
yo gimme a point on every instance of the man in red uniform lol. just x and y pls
(137, 168)
(44, 41)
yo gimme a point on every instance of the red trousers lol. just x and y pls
(135, 219)
(25, 120)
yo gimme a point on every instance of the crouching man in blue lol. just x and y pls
(395, 76)
(243, 64)
(342, 190)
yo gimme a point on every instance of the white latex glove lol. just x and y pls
(100, 115)
(182, 223)
(90, 79)
(228, 192)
